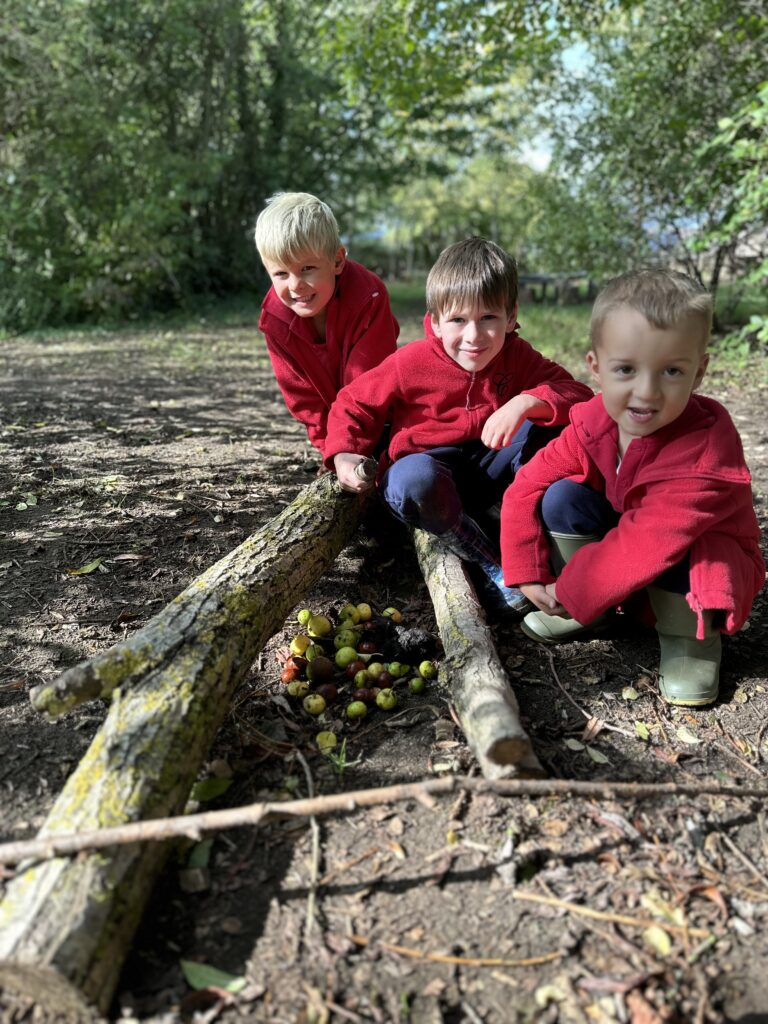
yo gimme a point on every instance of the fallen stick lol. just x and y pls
(193, 826)
(171, 686)
(472, 671)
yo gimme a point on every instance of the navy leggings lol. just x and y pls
(575, 509)
(433, 489)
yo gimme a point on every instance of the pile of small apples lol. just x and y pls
(331, 663)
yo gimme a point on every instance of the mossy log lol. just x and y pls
(171, 686)
(472, 670)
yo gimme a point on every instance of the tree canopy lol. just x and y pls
(140, 139)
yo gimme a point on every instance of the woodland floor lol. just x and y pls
(157, 454)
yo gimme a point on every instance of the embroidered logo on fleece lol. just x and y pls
(502, 382)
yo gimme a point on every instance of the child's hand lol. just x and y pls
(502, 425)
(544, 597)
(345, 464)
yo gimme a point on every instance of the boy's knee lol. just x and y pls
(572, 508)
(421, 491)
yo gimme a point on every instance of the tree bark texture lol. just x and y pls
(170, 685)
(471, 670)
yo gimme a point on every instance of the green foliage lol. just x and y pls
(632, 122)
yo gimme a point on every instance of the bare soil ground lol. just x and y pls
(157, 453)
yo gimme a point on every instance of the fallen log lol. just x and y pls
(171, 684)
(471, 670)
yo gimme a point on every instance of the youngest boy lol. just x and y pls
(326, 319)
(647, 487)
(467, 405)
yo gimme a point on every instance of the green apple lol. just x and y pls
(319, 625)
(345, 656)
(345, 638)
(386, 699)
(349, 611)
(356, 709)
(365, 612)
(416, 684)
(428, 670)
(298, 688)
(304, 616)
(393, 613)
(314, 704)
(325, 741)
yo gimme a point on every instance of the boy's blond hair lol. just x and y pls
(664, 297)
(296, 224)
(470, 272)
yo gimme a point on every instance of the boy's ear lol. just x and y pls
(703, 364)
(435, 321)
(592, 365)
(340, 260)
(512, 319)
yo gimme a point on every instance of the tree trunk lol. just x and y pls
(171, 686)
(471, 670)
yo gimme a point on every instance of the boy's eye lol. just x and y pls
(674, 371)
(308, 268)
(624, 371)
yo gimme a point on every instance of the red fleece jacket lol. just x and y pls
(430, 400)
(685, 488)
(360, 331)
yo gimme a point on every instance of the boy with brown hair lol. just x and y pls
(467, 404)
(326, 318)
(646, 488)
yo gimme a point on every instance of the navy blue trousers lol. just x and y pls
(433, 489)
(575, 509)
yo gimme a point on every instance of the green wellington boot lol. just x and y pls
(554, 629)
(689, 669)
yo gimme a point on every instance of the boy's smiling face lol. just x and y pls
(306, 285)
(646, 374)
(473, 335)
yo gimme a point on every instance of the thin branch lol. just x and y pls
(603, 724)
(604, 915)
(467, 961)
(194, 825)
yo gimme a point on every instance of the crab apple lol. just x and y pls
(362, 678)
(364, 611)
(314, 704)
(385, 679)
(367, 647)
(365, 694)
(298, 688)
(345, 638)
(386, 699)
(328, 692)
(345, 656)
(304, 616)
(427, 669)
(416, 684)
(349, 611)
(375, 668)
(289, 674)
(319, 625)
(358, 665)
(320, 669)
(325, 741)
(313, 651)
(357, 709)
(393, 613)
(299, 644)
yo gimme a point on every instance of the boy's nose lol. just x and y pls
(470, 331)
(647, 386)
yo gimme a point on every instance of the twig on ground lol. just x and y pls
(315, 858)
(604, 915)
(743, 858)
(194, 825)
(604, 725)
(465, 961)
